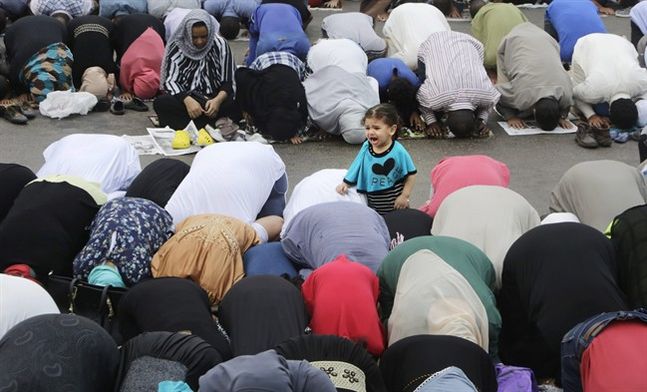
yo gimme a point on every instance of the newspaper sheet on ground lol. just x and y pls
(144, 144)
(532, 129)
(163, 137)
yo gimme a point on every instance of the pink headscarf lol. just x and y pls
(140, 65)
(454, 173)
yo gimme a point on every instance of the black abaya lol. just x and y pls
(159, 180)
(13, 179)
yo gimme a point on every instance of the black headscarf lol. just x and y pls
(410, 361)
(326, 348)
(58, 352)
(554, 277)
(274, 98)
(13, 178)
(196, 355)
(170, 304)
(46, 227)
(159, 180)
(260, 312)
(128, 28)
(406, 224)
(90, 45)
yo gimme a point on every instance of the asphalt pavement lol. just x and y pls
(536, 162)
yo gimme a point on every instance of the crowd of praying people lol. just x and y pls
(227, 284)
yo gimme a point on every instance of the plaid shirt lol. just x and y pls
(73, 8)
(270, 58)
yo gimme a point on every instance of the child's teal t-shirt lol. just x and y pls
(371, 172)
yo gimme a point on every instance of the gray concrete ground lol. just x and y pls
(536, 162)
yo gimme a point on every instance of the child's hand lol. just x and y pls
(342, 188)
(401, 202)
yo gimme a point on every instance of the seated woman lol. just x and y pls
(170, 304)
(318, 188)
(246, 181)
(94, 67)
(472, 264)
(266, 371)
(208, 249)
(320, 233)
(274, 101)
(340, 358)
(124, 236)
(56, 351)
(48, 225)
(13, 178)
(597, 191)
(152, 358)
(341, 298)
(16, 292)
(406, 224)
(39, 61)
(158, 181)
(138, 40)
(197, 76)
(107, 160)
(545, 266)
(415, 360)
(434, 298)
(474, 212)
(338, 100)
(454, 173)
(408, 26)
(260, 312)
(276, 27)
(357, 27)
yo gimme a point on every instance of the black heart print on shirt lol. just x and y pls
(389, 164)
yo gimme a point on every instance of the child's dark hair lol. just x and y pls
(385, 112)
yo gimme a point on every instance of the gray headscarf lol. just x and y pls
(448, 379)
(182, 36)
(267, 371)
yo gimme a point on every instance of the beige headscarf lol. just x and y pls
(433, 298)
(207, 249)
(95, 81)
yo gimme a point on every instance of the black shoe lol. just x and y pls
(136, 104)
(27, 110)
(13, 115)
(103, 105)
(584, 136)
(117, 107)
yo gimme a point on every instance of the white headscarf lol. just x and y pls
(489, 217)
(21, 299)
(433, 298)
(638, 15)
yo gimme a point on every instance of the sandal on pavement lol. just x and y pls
(13, 115)
(117, 107)
(182, 140)
(136, 104)
(27, 110)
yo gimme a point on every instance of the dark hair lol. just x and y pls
(402, 94)
(475, 6)
(229, 27)
(62, 17)
(462, 122)
(547, 113)
(623, 113)
(3, 20)
(385, 112)
(445, 6)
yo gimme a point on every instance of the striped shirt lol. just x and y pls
(208, 76)
(285, 58)
(455, 77)
(384, 201)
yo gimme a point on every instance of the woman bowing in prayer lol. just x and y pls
(197, 75)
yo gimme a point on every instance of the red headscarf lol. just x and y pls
(140, 65)
(342, 297)
(23, 271)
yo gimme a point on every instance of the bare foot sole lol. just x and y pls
(296, 140)
(332, 4)
(382, 17)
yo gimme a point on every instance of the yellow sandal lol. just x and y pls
(204, 138)
(182, 140)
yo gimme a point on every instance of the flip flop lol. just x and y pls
(136, 104)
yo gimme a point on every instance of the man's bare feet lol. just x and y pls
(296, 139)
(382, 17)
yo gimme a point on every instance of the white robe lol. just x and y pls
(21, 299)
(233, 179)
(341, 52)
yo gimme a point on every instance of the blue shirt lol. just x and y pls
(382, 70)
(573, 19)
(276, 21)
(372, 172)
